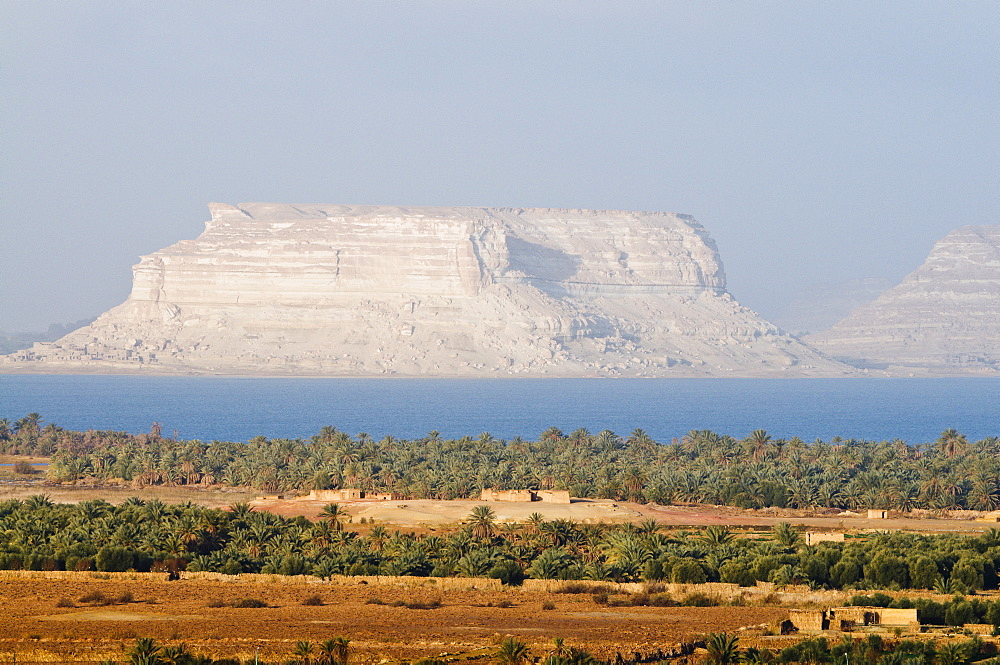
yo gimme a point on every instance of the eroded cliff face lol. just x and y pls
(944, 317)
(376, 290)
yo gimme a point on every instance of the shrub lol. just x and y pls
(580, 587)
(662, 600)
(548, 605)
(698, 599)
(374, 601)
(508, 572)
(249, 603)
(874, 600)
(423, 605)
(65, 602)
(639, 599)
(505, 603)
(24, 468)
(95, 598)
(601, 598)
(688, 572)
(216, 602)
(312, 601)
(125, 598)
(114, 559)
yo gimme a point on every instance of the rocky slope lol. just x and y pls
(943, 318)
(374, 290)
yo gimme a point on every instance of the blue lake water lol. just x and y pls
(237, 409)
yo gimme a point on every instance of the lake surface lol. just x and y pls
(237, 409)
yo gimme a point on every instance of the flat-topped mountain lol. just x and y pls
(944, 317)
(412, 291)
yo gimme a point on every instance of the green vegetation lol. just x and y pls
(722, 649)
(706, 467)
(146, 651)
(38, 534)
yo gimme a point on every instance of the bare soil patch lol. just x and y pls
(115, 615)
(432, 513)
(428, 513)
(832, 520)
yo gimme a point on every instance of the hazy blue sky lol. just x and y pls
(816, 141)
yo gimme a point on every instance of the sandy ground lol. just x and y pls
(431, 513)
(428, 512)
(468, 620)
(708, 515)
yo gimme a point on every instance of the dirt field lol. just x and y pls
(468, 620)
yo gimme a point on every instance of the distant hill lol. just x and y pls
(943, 318)
(11, 342)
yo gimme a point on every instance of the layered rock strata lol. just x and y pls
(374, 290)
(943, 318)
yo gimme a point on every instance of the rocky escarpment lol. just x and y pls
(944, 317)
(373, 290)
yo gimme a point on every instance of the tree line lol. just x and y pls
(703, 466)
(37, 534)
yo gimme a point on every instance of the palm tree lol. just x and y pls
(483, 522)
(176, 655)
(30, 423)
(758, 440)
(333, 515)
(303, 651)
(333, 652)
(951, 443)
(635, 480)
(513, 651)
(641, 440)
(559, 648)
(533, 525)
(952, 653)
(786, 534)
(716, 535)
(145, 652)
(722, 648)
(649, 526)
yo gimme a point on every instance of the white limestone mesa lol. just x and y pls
(336, 290)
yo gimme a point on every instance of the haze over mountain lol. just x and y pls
(944, 317)
(819, 306)
(380, 290)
